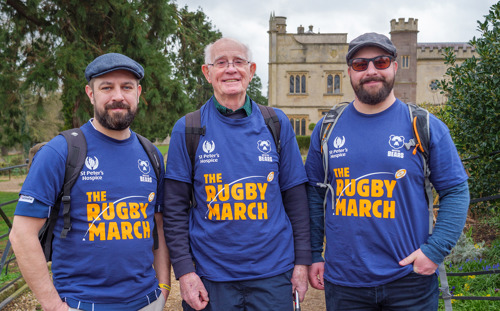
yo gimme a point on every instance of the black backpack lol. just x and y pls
(77, 152)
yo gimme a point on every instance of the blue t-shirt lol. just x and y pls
(239, 229)
(107, 256)
(379, 213)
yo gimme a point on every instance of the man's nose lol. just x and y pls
(118, 94)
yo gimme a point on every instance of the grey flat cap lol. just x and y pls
(370, 39)
(111, 62)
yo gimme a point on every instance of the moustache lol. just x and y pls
(369, 79)
(117, 105)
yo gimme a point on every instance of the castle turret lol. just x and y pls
(404, 36)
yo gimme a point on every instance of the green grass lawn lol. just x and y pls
(8, 209)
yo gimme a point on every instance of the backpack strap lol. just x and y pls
(77, 151)
(154, 158)
(421, 140)
(273, 123)
(193, 133)
(329, 122)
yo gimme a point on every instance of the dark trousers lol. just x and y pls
(269, 294)
(413, 292)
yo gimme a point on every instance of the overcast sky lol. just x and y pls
(248, 21)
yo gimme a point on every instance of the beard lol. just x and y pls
(117, 121)
(374, 97)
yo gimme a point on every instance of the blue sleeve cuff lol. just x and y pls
(31, 207)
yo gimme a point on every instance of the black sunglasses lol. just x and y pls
(380, 62)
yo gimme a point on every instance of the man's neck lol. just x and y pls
(118, 135)
(373, 109)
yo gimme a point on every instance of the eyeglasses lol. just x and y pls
(380, 62)
(223, 63)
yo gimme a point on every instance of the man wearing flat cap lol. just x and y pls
(370, 203)
(105, 261)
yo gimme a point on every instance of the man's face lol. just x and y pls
(115, 97)
(231, 80)
(372, 86)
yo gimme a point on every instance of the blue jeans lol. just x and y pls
(410, 293)
(270, 294)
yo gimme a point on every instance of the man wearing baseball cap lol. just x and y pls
(106, 260)
(379, 254)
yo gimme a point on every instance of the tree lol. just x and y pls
(194, 32)
(255, 91)
(473, 108)
(56, 39)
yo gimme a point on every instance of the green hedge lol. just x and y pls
(303, 142)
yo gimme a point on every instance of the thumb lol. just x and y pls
(408, 260)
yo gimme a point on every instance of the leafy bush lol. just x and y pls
(465, 249)
(471, 113)
(303, 142)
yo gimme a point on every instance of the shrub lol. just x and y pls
(303, 142)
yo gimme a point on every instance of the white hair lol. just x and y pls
(208, 49)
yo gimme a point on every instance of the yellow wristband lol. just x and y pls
(165, 286)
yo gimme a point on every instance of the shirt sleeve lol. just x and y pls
(291, 169)
(453, 206)
(176, 225)
(295, 202)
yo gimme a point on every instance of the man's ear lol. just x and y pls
(253, 68)
(204, 69)
(90, 93)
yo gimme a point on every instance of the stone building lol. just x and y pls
(308, 70)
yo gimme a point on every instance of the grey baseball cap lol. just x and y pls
(111, 62)
(370, 39)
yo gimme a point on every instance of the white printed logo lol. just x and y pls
(92, 163)
(144, 166)
(26, 198)
(264, 146)
(338, 142)
(208, 147)
(396, 143)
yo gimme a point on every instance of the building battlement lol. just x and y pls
(436, 49)
(402, 25)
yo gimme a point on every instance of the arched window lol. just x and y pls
(297, 126)
(298, 84)
(329, 84)
(303, 127)
(337, 84)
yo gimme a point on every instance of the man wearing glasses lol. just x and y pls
(379, 254)
(247, 232)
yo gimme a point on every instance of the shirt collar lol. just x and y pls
(224, 110)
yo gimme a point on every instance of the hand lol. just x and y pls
(421, 263)
(316, 271)
(193, 291)
(299, 281)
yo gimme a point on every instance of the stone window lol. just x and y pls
(298, 84)
(434, 85)
(298, 125)
(405, 61)
(333, 83)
